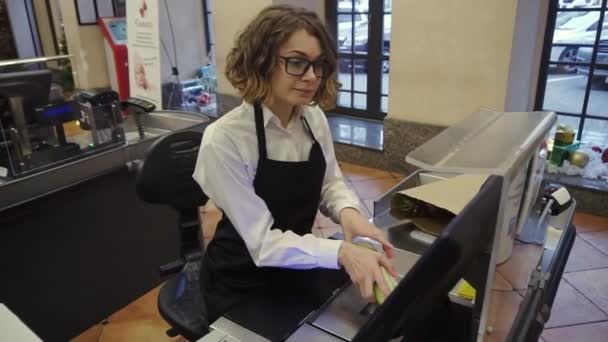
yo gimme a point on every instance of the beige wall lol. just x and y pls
(44, 28)
(448, 58)
(313, 5)
(228, 22)
(57, 18)
(189, 31)
(530, 24)
(72, 36)
(86, 44)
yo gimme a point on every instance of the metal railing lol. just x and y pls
(70, 57)
(36, 60)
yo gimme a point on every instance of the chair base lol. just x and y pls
(181, 303)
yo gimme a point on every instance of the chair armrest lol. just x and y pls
(171, 267)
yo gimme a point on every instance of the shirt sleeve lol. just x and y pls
(223, 176)
(335, 195)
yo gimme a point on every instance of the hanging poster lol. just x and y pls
(144, 52)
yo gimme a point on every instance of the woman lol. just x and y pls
(269, 164)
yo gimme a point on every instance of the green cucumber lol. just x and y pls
(367, 245)
(390, 282)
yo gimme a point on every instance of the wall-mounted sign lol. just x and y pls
(144, 52)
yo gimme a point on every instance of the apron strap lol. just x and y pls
(259, 128)
(309, 130)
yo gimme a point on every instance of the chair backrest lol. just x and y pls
(165, 177)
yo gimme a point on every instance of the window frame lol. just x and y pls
(592, 64)
(95, 7)
(374, 58)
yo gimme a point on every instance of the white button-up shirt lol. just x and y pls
(227, 165)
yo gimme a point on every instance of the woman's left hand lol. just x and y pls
(354, 225)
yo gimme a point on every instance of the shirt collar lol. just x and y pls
(269, 116)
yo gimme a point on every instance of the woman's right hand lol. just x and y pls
(363, 267)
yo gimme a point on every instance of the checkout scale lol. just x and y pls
(508, 147)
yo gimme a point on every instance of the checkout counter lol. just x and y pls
(48, 142)
(38, 156)
(514, 203)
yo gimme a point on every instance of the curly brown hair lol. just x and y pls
(250, 63)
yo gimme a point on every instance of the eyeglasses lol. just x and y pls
(296, 66)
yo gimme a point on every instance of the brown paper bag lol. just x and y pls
(450, 196)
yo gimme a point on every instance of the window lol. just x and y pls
(209, 40)
(88, 11)
(574, 77)
(363, 55)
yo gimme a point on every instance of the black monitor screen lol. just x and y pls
(33, 86)
(427, 285)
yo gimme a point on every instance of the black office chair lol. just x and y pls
(165, 177)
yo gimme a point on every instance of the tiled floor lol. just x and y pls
(138, 321)
(580, 311)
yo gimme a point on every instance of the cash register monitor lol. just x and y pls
(24, 90)
(32, 86)
(427, 285)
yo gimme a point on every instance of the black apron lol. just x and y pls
(292, 192)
